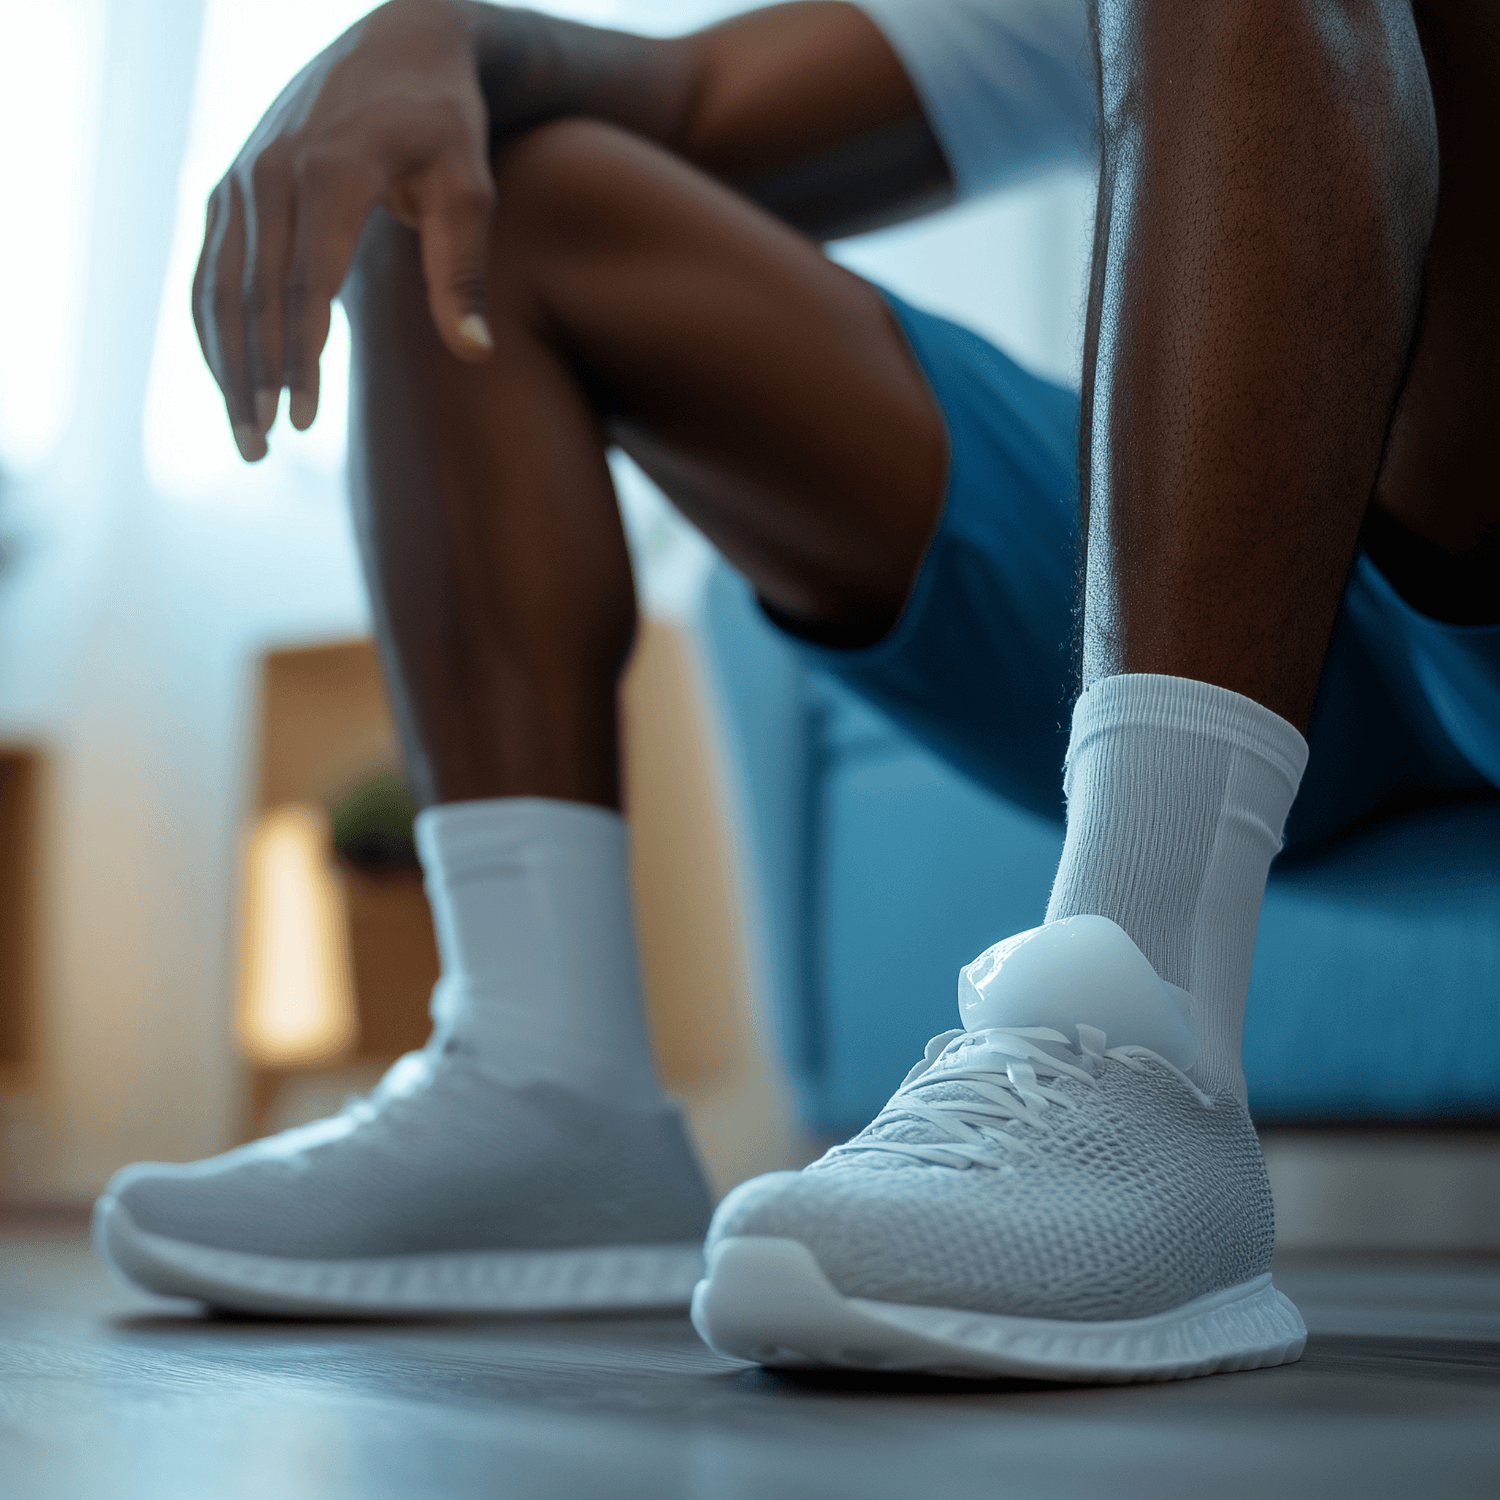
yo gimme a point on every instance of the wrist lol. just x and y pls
(533, 68)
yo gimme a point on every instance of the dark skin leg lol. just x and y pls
(1439, 476)
(1269, 186)
(632, 298)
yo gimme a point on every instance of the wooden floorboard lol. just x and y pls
(109, 1395)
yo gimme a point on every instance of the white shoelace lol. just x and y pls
(1002, 1072)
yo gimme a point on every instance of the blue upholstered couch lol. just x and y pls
(874, 872)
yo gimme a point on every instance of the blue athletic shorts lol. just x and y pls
(980, 666)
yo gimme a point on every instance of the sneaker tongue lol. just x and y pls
(1081, 969)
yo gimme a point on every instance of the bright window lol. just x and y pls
(50, 58)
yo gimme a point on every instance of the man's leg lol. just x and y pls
(773, 395)
(1269, 184)
(767, 389)
(1438, 480)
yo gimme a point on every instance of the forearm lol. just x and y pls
(804, 107)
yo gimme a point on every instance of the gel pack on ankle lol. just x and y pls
(1080, 970)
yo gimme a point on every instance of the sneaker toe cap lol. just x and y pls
(177, 1200)
(754, 1207)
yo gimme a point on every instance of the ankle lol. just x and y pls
(1177, 794)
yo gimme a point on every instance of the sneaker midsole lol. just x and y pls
(768, 1300)
(574, 1279)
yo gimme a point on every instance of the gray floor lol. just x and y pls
(109, 1395)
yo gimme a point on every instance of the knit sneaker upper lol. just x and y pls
(444, 1156)
(1016, 1173)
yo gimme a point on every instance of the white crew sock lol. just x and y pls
(531, 899)
(1177, 795)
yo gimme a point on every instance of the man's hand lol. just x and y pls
(391, 115)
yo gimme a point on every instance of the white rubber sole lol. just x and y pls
(767, 1300)
(586, 1280)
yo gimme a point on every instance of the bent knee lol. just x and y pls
(568, 189)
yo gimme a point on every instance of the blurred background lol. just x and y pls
(211, 925)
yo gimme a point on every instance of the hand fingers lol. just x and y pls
(269, 247)
(219, 314)
(456, 205)
(334, 197)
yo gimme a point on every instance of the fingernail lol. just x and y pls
(266, 403)
(476, 331)
(302, 408)
(251, 444)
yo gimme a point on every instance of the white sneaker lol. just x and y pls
(1038, 1199)
(447, 1190)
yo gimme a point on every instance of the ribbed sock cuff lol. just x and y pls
(1148, 700)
